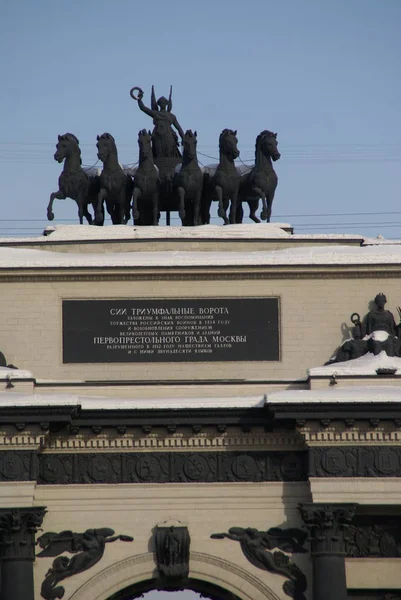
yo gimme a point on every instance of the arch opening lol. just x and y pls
(205, 588)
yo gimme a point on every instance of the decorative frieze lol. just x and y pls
(355, 461)
(152, 467)
(172, 467)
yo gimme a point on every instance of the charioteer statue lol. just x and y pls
(165, 141)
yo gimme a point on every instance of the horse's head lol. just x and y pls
(266, 142)
(106, 145)
(228, 143)
(67, 145)
(190, 141)
(145, 143)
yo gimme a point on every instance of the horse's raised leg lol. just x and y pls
(260, 193)
(181, 198)
(60, 196)
(87, 215)
(221, 211)
(253, 207)
(135, 195)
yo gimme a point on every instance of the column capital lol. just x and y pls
(328, 525)
(18, 527)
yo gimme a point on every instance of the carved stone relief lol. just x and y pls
(172, 544)
(88, 548)
(349, 461)
(152, 467)
(259, 548)
(374, 536)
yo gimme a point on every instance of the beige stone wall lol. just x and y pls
(204, 508)
(315, 311)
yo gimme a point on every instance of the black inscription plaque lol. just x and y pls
(224, 329)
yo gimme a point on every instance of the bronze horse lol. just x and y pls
(188, 182)
(145, 197)
(115, 185)
(261, 181)
(74, 182)
(223, 185)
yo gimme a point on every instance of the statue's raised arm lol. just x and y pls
(141, 105)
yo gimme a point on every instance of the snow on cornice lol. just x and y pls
(10, 373)
(364, 365)
(127, 233)
(354, 395)
(298, 256)
(8, 399)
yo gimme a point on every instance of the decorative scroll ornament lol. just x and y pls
(257, 547)
(88, 548)
(172, 550)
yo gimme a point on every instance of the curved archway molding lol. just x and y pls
(204, 567)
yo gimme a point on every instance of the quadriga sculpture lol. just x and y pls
(261, 181)
(188, 182)
(223, 184)
(74, 182)
(145, 197)
(115, 185)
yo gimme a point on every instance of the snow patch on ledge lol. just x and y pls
(7, 373)
(336, 394)
(294, 257)
(125, 232)
(365, 365)
(95, 403)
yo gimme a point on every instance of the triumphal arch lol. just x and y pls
(209, 408)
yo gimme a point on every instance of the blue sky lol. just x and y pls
(324, 74)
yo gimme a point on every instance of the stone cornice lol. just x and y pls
(195, 273)
(143, 439)
(350, 433)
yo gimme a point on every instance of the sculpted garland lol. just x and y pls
(165, 179)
